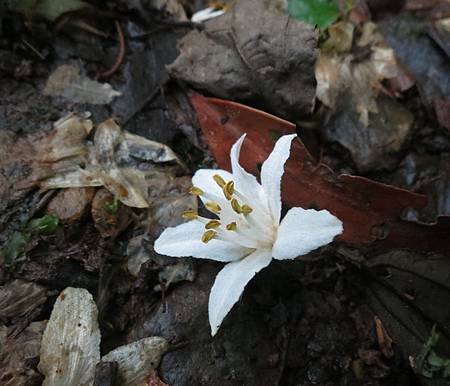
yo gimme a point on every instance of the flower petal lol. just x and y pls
(204, 180)
(230, 283)
(272, 171)
(185, 240)
(303, 230)
(245, 182)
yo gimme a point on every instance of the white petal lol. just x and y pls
(245, 182)
(303, 230)
(185, 240)
(230, 283)
(206, 14)
(203, 179)
(272, 171)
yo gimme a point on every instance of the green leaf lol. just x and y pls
(14, 247)
(319, 12)
(45, 225)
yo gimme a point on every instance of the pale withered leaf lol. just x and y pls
(71, 343)
(68, 82)
(137, 360)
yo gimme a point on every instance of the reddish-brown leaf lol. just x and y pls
(369, 210)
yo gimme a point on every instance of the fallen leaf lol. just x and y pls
(399, 286)
(406, 34)
(384, 340)
(137, 360)
(71, 343)
(335, 74)
(371, 211)
(66, 81)
(182, 270)
(120, 161)
(255, 51)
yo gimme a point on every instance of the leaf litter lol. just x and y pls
(95, 237)
(116, 159)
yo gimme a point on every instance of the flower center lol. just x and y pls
(239, 223)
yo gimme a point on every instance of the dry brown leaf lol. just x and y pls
(337, 73)
(113, 160)
(137, 360)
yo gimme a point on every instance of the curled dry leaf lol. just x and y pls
(66, 81)
(137, 360)
(371, 211)
(118, 160)
(337, 73)
(67, 140)
(71, 343)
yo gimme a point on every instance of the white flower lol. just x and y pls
(247, 232)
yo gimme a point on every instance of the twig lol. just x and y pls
(120, 56)
(33, 49)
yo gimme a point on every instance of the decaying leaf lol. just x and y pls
(120, 161)
(182, 270)
(137, 360)
(68, 82)
(20, 299)
(67, 140)
(71, 343)
(255, 51)
(337, 73)
(18, 356)
(370, 211)
(400, 285)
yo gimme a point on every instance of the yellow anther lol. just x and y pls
(219, 180)
(232, 226)
(212, 224)
(208, 236)
(246, 209)
(228, 190)
(189, 215)
(213, 207)
(196, 191)
(235, 205)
